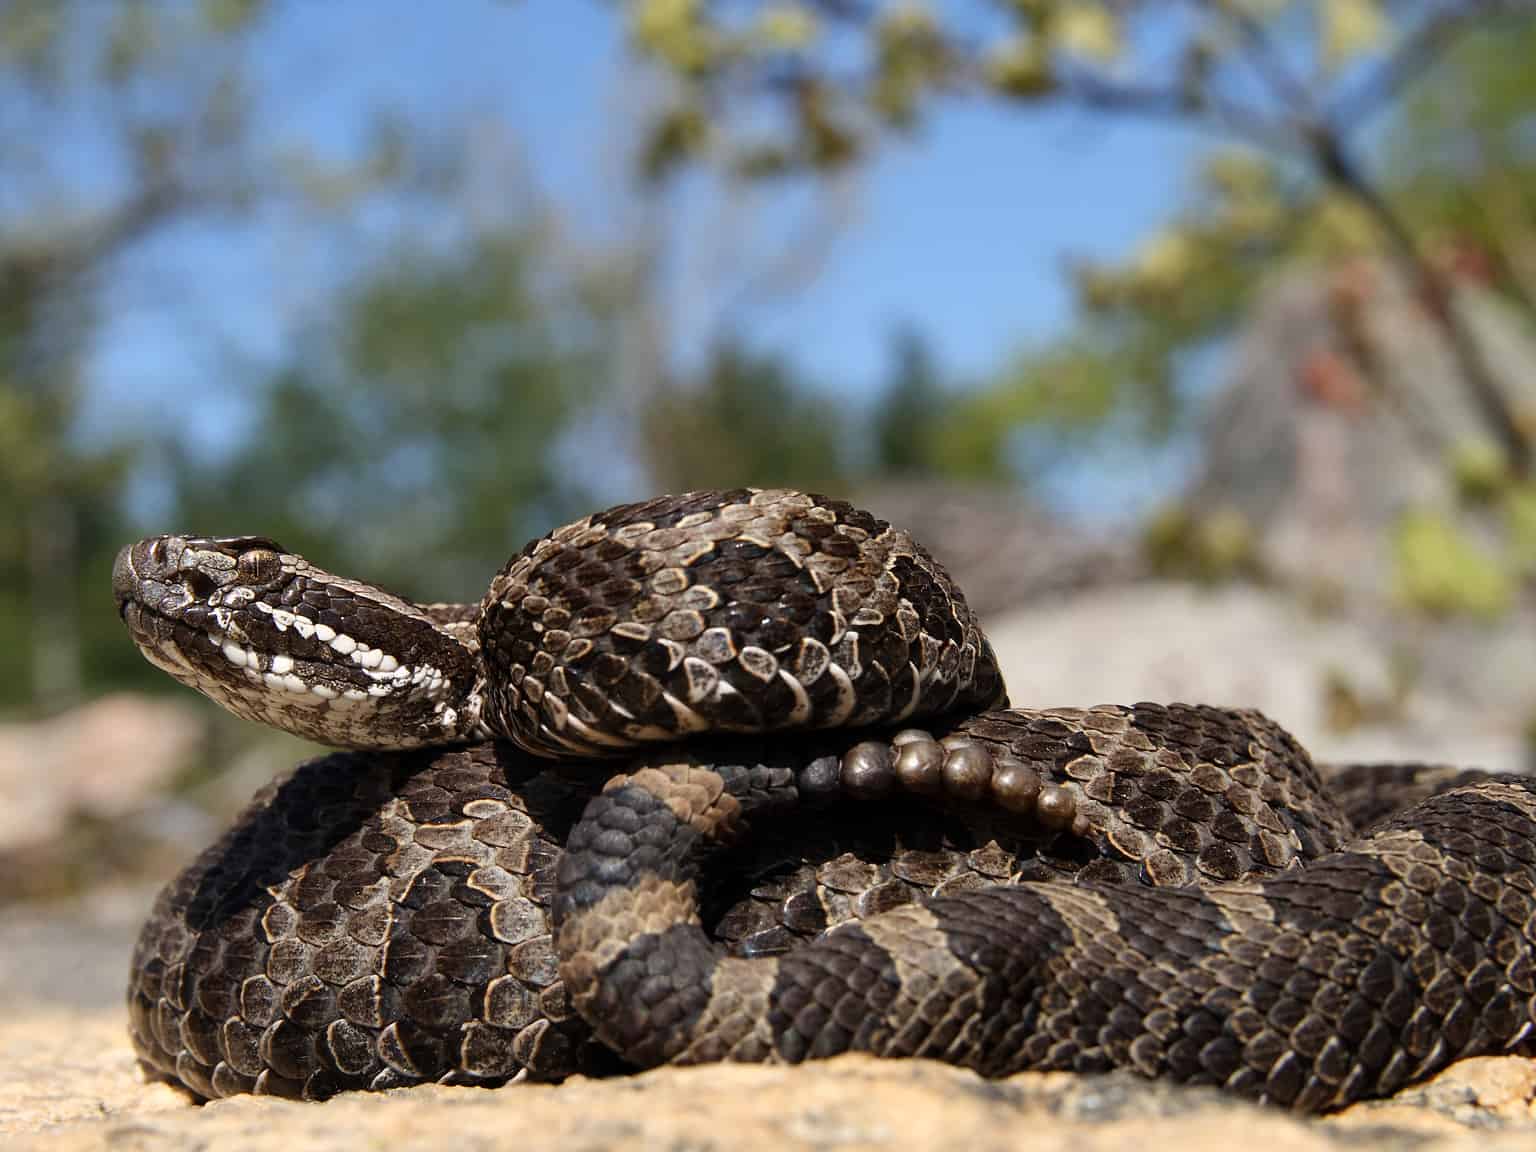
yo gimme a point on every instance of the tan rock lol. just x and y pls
(68, 1084)
(100, 761)
(1174, 642)
(60, 1067)
(1480, 1091)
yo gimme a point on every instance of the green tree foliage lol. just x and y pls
(1293, 80)
(1441, 569)
(1065, 392)
(1473, 558)
(1194, 281)
(1461, 158)
(909, 406)
(1463, 153)
(57, 536)
(1280, 72)
(170, 135)
(748, 421)
(417, 441)
(156, 97)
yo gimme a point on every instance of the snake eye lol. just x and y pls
(258, 566)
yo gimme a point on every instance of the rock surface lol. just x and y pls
(124, 786)
(1311, 447)
(67, 1082)
(1004, 551)
(80, 755)
(1244, 647)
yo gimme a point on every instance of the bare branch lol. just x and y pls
(1099, 94)
(1287, 89)
(802, 257)
(845, 11)
(1298, 125)
(1471, 358)
(1418, 53)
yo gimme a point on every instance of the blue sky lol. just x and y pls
(964, 230)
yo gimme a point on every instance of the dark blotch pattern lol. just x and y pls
(372, 921)
(1368, 969)
(381, 919)
(1227, 927)
(745, 610)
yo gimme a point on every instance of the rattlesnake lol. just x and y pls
(1174, 890)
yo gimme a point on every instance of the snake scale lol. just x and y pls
(732, 776)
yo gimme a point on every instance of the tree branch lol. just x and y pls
(1178, 104)
(845, 11)
(1418, 53)
(1266, 60)
(1300, 127)
(1340, 171)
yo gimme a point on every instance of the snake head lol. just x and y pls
(275, 639)
(186, 576)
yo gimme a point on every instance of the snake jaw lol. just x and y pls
(274, 639)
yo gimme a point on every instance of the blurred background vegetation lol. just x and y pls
(469, 369)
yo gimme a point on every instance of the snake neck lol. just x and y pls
(743, 611)
(275, 639)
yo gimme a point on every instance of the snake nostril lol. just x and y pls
(199, 584)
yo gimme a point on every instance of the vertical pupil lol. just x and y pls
(256, 565)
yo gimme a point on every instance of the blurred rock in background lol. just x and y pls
(122, 790)
(1343, 406)
(1002, 549)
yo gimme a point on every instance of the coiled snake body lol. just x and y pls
(779, 870)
